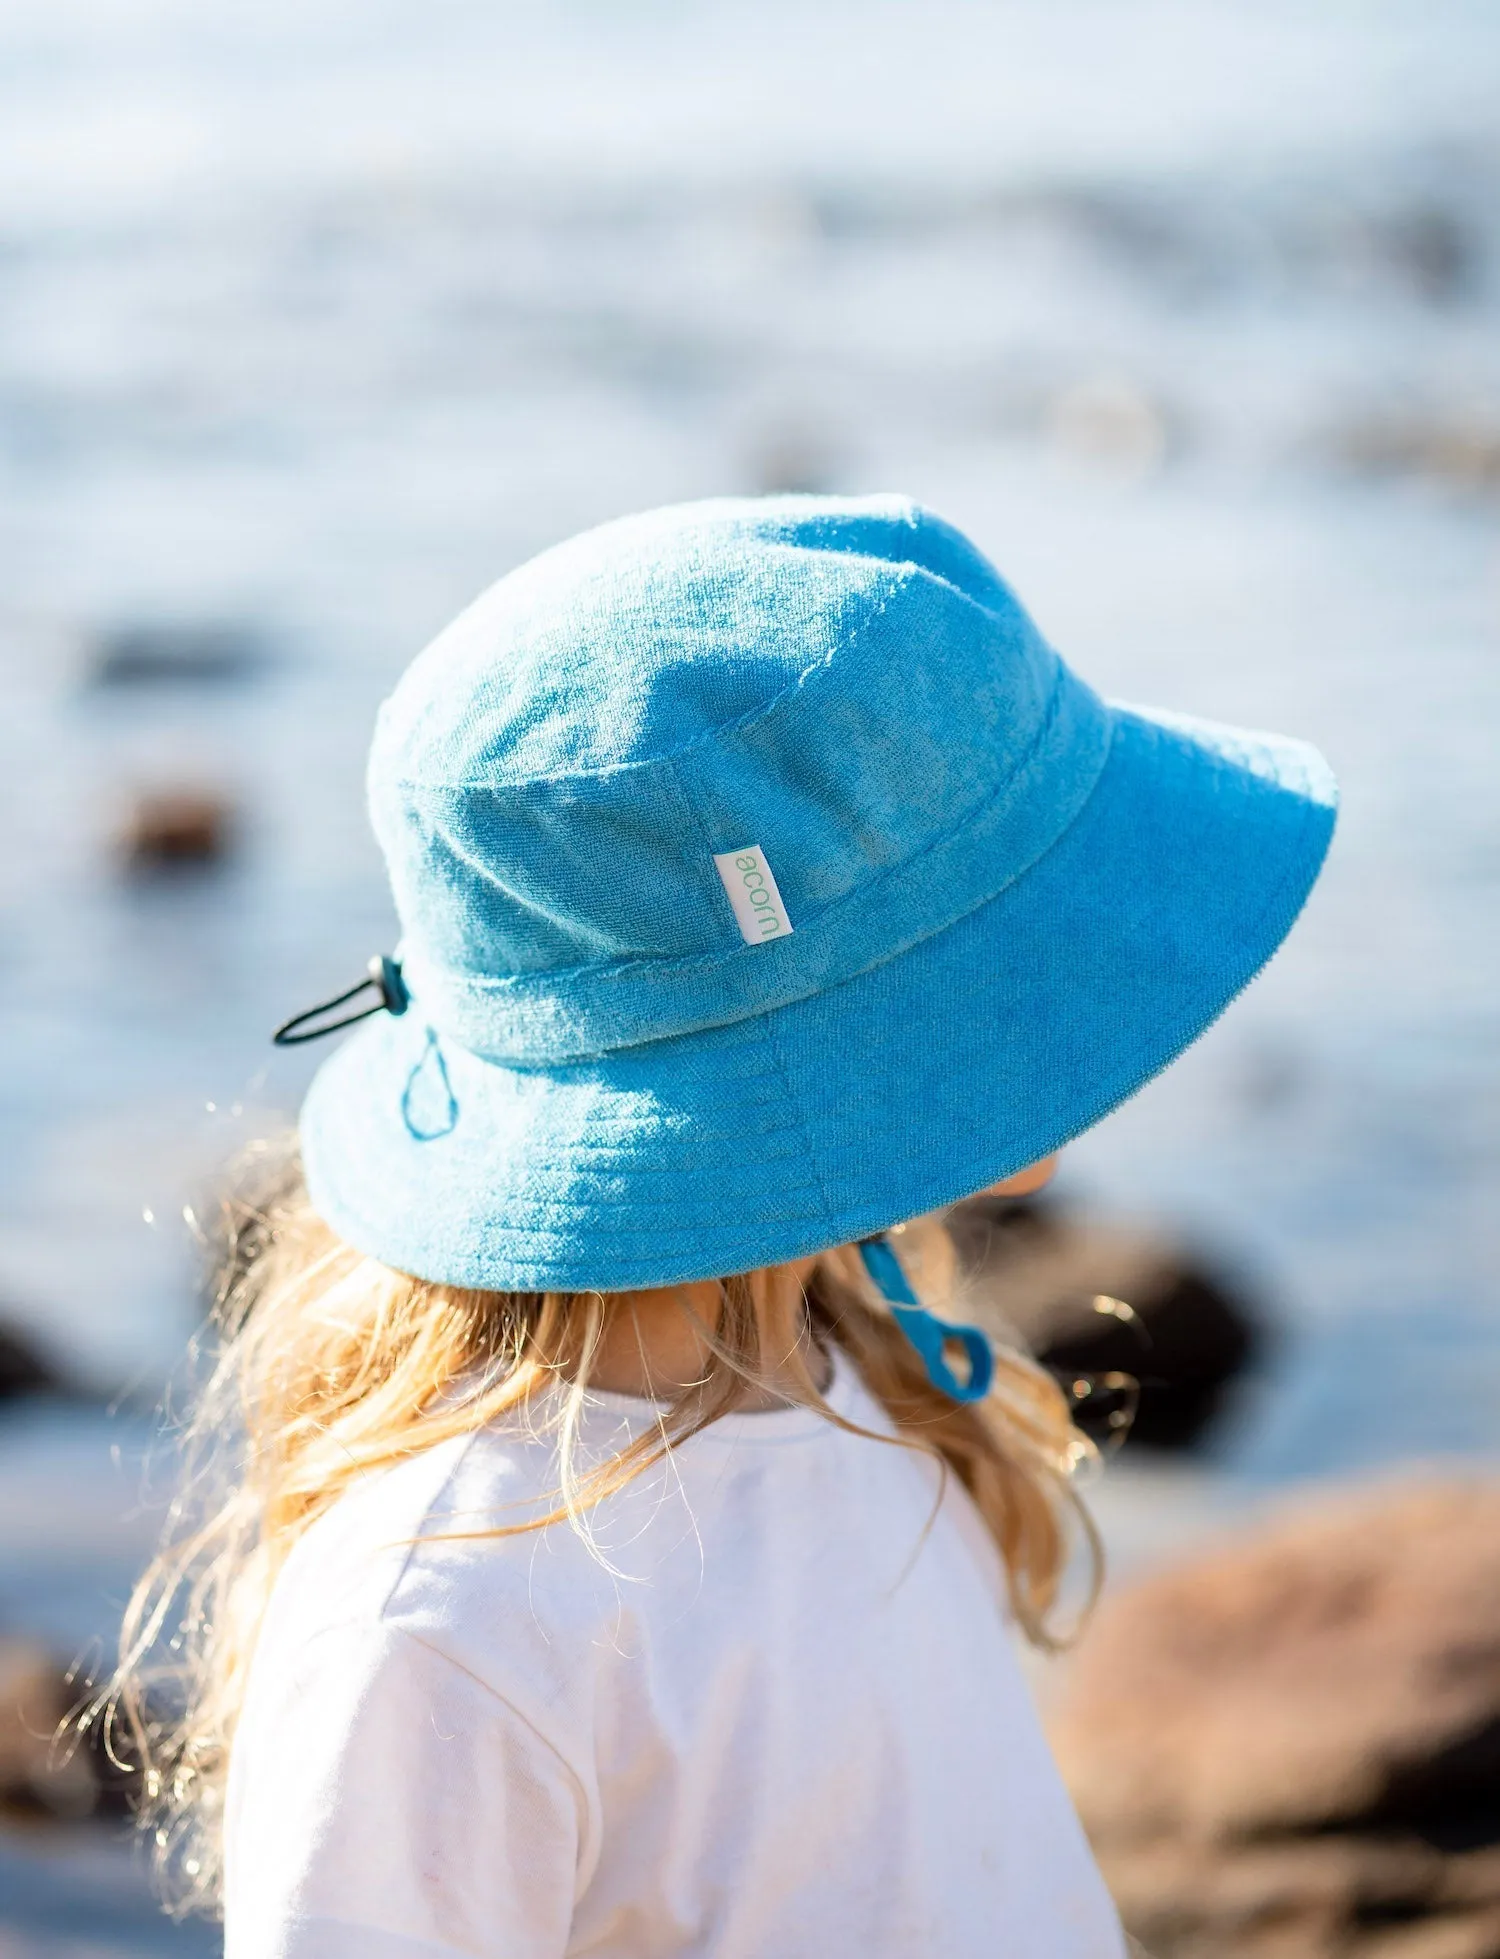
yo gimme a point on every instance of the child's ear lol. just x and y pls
(1026, 1181)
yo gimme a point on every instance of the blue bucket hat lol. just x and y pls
(766, 879)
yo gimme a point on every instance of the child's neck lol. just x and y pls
(654, 1343)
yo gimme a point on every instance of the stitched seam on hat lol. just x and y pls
(516, 986)
(710, 886)
(905, 574)
(698, 961)
(768, 1023)
(767, 1030)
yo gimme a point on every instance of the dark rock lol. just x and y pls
(1055, 1281)
(1434, 251)
(173, 829)
(1459, 451)
(40, 1772)
(174, 653)
(24, 1370)
(792, 461)
(1293, 1747)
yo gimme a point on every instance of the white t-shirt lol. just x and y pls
(776, 1714)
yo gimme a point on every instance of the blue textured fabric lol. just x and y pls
(1011, 903)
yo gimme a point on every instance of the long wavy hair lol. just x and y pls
(320, 1366)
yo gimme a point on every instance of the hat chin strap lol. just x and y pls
(928, 1334)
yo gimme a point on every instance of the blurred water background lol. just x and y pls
(314, 320)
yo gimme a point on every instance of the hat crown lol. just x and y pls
(846, 684)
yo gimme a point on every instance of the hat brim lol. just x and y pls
(927, 1078)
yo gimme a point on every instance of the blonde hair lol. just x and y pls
(327, 1366)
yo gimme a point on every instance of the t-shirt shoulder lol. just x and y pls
(442, 1547)
(437, 1548)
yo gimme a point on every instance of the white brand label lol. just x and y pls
(758, 909)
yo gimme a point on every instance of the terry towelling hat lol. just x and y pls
(766, 879)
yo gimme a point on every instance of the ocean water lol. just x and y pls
(314, 321)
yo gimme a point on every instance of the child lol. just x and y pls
(616, 1558)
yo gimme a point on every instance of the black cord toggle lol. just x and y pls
(384, 976)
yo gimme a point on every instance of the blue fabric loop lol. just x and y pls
(429, 1108)
(928, 1334)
